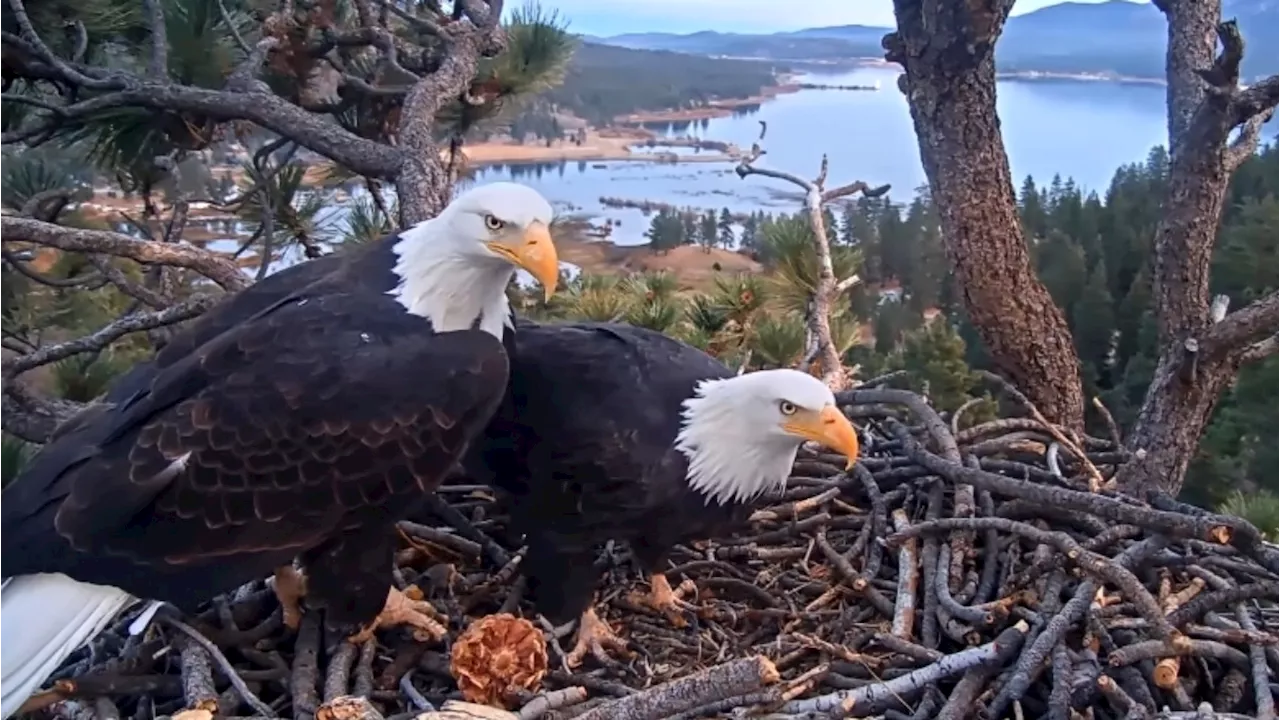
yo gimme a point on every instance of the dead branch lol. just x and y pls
(733, 678)
(818, 315)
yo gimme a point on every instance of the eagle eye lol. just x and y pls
(493, 223)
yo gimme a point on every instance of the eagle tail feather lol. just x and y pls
(43, 619)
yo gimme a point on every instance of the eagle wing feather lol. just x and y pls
(301, 424)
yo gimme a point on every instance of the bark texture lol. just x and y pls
(1200, 357)
(947, 52)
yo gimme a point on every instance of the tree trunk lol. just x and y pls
(1200, 357)
(947, 51)
(1172, 419)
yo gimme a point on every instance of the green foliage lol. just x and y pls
(933, 357)
(535, 60)
(366, 222)
(1261, 508)
(788, 249)
(779, 341)
(298, 210)
(202, 52)
(25, 174)
(82, 378)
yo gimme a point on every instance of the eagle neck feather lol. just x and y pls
(728, 461)
(439, 280)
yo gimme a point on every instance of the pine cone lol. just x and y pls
(496, 656)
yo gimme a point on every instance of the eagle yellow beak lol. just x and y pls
(534, 251)
(829, 428)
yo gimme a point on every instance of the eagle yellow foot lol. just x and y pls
(400, 609)
(593, 637)
(290, 588)
(667, 601)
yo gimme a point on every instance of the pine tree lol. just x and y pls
(751, 233)
(1034, 218)
(933, 357)
(725, 229)
(665, 231)
(1093, 326)
(708, 232)
(689, 227)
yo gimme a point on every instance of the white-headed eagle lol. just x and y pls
(298, 420)
(613, 432)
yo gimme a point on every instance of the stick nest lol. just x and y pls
(991, 569)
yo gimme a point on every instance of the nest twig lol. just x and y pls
(949, 568)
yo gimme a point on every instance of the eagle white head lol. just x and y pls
(454, 268)
(741, 434)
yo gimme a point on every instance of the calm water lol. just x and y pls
(1084, 130)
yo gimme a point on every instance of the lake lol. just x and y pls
(1079, 129)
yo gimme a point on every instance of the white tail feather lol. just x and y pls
(43, 619)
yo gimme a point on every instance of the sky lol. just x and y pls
(613, 17)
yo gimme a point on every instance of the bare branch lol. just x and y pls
(1249, 324)
(226, 19)
(254, 103)
(854, 188)
(1246, 144)
(137, 322)
(243, 78)
(95, 281)
(217, 268)
(47, 205)
(116, 277)
(1257, 99)
(1260, 350)
(43, 51)
(818, 315)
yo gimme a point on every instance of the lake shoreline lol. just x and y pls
(615, 142)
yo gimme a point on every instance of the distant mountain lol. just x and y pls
(1122, 38)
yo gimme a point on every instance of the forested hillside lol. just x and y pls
(1091, 251)
(603, 82)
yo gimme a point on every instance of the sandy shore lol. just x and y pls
(599, 147)
(614, 143)
(716, 109)
(596, 147)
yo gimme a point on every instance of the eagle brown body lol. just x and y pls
(297, 421)
(295, 446)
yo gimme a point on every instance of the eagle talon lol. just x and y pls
(290, 588)
(594, 635)
(667, 601)
(402, 610)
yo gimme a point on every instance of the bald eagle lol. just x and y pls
(298, 421)
(610, 431)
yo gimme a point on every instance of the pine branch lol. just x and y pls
(217, 268)
(137, 322)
